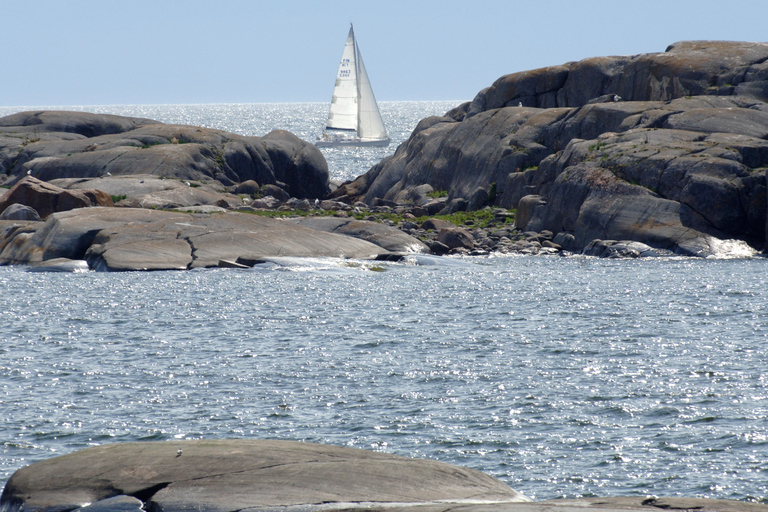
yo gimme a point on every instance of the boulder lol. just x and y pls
(456, 238)
(238, 474)
(45, 198)
(58, 145)
(18, 211)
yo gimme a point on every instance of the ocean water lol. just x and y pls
(561, 376)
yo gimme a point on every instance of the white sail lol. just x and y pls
(343, 113)
(353, 106)
(370, 126)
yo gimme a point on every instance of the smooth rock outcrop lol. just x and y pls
(389, 238)
(117, 239)
(267, 476)
(57, 145)
(234, 475)
(668, 149)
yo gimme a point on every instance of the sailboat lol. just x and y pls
(354, 118)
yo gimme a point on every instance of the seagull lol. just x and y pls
(178, 452)
(616, 97)
(29, 172)
(520, 104)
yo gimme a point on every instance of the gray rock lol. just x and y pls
(249, 187)
(389, 238)
(139, 239)
(231, 475)
(684, 149)
(266, 203)
(276, 192)
(436, 224)
(456, 238)
(18, 211)
(96, 145)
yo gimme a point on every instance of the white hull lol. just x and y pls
(352, 141)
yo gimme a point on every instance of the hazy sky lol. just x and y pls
(105, 52)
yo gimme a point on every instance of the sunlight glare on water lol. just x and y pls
(563, 377)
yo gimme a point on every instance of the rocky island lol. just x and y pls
(661, 153)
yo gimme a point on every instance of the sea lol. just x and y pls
(564, 377)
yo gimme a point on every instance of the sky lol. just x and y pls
(149, 52)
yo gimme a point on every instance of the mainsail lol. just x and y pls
(343, 113)
(353, 107)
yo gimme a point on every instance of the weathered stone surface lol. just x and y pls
(57, 145)
(18, 211)
(668, 149)
(139, 239)
(389, 238)
(455, 237)
(46, 198)
(231, 475)
(687, 68)
(148, 191)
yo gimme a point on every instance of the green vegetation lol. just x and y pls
(598, 146)
(438, 193)
(119, 198)
(479, 218)
(492, 193)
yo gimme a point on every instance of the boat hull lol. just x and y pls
(354, 142)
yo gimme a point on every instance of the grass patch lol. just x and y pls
(479, 218)
(117, 199)
(437, 193)
(598, 146)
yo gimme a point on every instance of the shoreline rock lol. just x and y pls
(668, 149)
(229, 475)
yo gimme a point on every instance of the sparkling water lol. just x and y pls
(563, 377)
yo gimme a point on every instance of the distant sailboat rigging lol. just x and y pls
(354, 118)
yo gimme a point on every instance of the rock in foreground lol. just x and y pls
(269, 476)
(231, 475)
